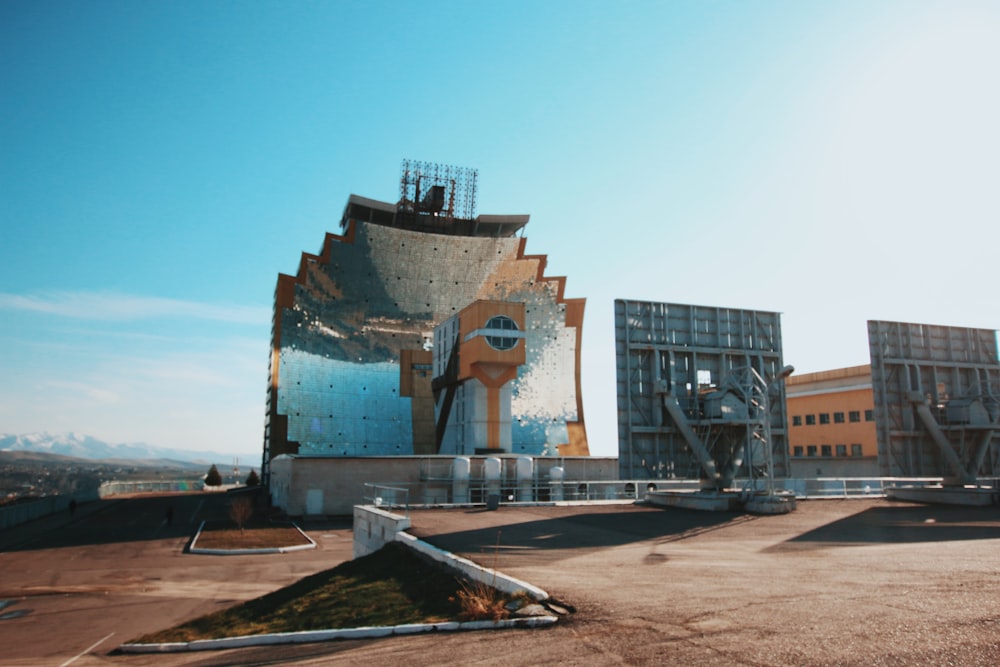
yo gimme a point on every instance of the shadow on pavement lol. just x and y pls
(579, 531)
(901, 524)
(114, 520)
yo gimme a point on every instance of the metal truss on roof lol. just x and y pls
(937, 400)
(699, 393)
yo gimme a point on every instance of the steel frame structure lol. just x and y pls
(937, 400)
(459, 189)
(689, 383)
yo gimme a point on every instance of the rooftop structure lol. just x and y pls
(352, 344)
(937, 400)
(699, 393)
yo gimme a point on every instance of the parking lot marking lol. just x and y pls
(85, 652)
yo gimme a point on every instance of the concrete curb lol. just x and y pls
(329, 635)
(241, 552)
(476, 572)
(472, 570)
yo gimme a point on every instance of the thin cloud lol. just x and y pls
(82, 390)
(123, 307)
(188, 372)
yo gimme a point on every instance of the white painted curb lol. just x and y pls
(242, 552)
(328, 635)
(472, 570)
(484, 575)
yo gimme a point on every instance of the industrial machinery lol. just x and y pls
(937, 408)
(700, 397)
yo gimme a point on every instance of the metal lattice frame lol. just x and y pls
(937, 400)
(460, 184)
(688, 405)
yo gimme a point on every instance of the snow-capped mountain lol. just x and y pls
(86, 447)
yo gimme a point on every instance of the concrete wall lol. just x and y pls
(374, 528)
(331, 487)
(304, 486)
(12, 515)
(811, 467)
(18, 513)
(471, 570)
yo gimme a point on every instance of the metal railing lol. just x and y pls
(441, 492)
(860, 487)
(477, 492)
(389, 497)
(119, 488)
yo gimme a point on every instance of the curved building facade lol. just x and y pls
(352, 344)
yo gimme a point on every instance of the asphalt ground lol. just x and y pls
(73, 588)
(837, 582)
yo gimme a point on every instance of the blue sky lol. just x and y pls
(162, 162)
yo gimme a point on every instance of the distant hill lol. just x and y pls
(21, 459)
(86, 447)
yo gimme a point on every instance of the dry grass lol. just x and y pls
(262, 535)
(480, 602)
(392, 586)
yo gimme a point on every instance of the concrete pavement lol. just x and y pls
(843, 582)
(77, 587)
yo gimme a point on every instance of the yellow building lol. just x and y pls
(831, 431)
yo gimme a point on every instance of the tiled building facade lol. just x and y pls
(352, 338)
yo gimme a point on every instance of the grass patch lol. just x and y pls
(262, 535)
(392, 586)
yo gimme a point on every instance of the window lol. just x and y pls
(856, 450)
(869, 415)
(797, 420)
(841, 450)
(824, 418)
(811, 449)
(854, 416)
(810, 420)
(499, 333)
(827, 450)
(797, 451)
(838, 417)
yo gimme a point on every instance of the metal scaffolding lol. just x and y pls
(436, 189)
(937, 401)
(699, 393)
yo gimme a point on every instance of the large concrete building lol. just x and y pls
(364, 362)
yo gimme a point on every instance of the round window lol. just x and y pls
(501, 333)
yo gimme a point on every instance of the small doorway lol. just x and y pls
(314, 501)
